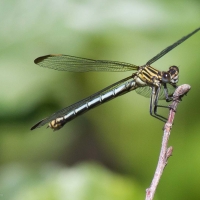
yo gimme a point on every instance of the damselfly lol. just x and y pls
(146, 81)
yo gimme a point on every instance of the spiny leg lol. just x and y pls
(153, 106)
(156, 105)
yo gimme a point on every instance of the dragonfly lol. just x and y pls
(146, 81)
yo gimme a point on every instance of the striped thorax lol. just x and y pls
(153, 77)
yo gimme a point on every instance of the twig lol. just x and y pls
(166, 152)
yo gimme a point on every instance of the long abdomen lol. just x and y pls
(85, 105)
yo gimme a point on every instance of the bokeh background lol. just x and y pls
(110, 152)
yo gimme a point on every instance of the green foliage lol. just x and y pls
(53, 182)
(119, 134)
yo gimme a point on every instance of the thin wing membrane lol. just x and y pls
(146, 91)
(169, 48)
(76, 64)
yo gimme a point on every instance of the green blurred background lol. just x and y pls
(110, 152)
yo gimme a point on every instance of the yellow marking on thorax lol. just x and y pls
(149, 74)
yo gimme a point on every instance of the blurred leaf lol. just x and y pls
(51, 182)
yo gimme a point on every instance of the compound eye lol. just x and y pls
(174, 69)
(165, 77)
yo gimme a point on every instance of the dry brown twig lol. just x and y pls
(166, 152)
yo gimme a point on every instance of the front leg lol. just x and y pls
(168, 99)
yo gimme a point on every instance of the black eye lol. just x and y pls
(173, 69)
(165, 77)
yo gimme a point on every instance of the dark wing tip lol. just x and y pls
(42, 58)
(36, 125)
